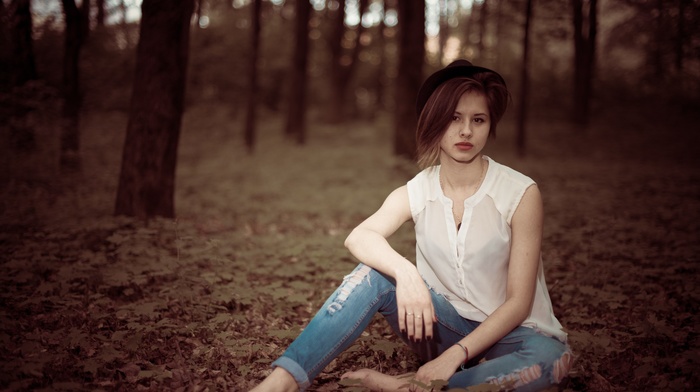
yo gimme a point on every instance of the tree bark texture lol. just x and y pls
(296, 115)
(147, 179)
(21, 48)
(253, 76)
(585, 30)
(411, 18)
(525, 83)
(70, 128)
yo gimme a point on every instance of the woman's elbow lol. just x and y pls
(351, 239)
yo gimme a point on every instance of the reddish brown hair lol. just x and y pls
(437, 113)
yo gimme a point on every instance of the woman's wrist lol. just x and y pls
(465, 351)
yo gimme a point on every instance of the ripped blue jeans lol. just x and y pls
(524, 360)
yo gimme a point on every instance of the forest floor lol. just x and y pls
(207, 301)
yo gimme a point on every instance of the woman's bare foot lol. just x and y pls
(278, 381)
(377, 381)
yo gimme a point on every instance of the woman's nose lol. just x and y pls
(465, 130)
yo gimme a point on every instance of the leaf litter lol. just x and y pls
(208, 300)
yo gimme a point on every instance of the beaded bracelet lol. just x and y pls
(466, 352)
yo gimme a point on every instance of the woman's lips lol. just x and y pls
(464, 146)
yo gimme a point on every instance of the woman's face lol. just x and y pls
(468, 132)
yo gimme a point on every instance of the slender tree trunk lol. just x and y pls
(343, 65)
(499, 33)
(681, 35)
(483, 18)
(23, 65)
(70, 130)
(444, 32)
(585, 30)
(5, 56)
(100, 19)
(467, 50)
(525, 83)
(253, 76)
(147, 179)
(380, 75)
(85, 20)
(296, 116)
(410, 75)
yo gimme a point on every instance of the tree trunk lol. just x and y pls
(296, 118)
(85, 20)
(147, 179)
(585, 26)
(444, 31)
(380, 72)
(466, 49)
(525, 82)
(5, 56)
(411, 22)
(253, 77)
(343, 65)
(100, 19)
(681, 37)
(23, 65)
(70, 129)
(499, 35)
(483, 18)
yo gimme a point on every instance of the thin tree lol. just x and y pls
(70, 128)
(343, 65)
(585, 30)
(411, 22)
(467, 19)
(681, 36)
(444, 32)
(85, 9)
(296, 115)
(23, 64)
(147, 179)
(100, 17)
(253, 76)
(380, 72)
(525, 83)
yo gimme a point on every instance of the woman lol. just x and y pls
(475, 306)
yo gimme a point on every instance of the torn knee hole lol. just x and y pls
(349, 284)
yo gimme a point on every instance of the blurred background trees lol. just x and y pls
(331, 61)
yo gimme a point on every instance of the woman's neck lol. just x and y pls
(463, 175)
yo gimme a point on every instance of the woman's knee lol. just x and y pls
(362, 278)
(554, 355)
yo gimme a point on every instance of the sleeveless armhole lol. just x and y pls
(418, 190)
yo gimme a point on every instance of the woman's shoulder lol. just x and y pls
(505, 178)
(505, 175)
(506, 188)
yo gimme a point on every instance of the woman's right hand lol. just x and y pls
(415, 306)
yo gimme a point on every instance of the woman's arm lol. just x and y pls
(526, 229)
(368, 243)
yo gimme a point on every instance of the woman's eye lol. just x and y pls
(478, 120)
(455, 118)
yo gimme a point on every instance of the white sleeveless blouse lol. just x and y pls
(469, 266)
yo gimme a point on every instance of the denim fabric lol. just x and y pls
(524, 359)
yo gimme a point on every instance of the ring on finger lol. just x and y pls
(417, 316)
(408, 313)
